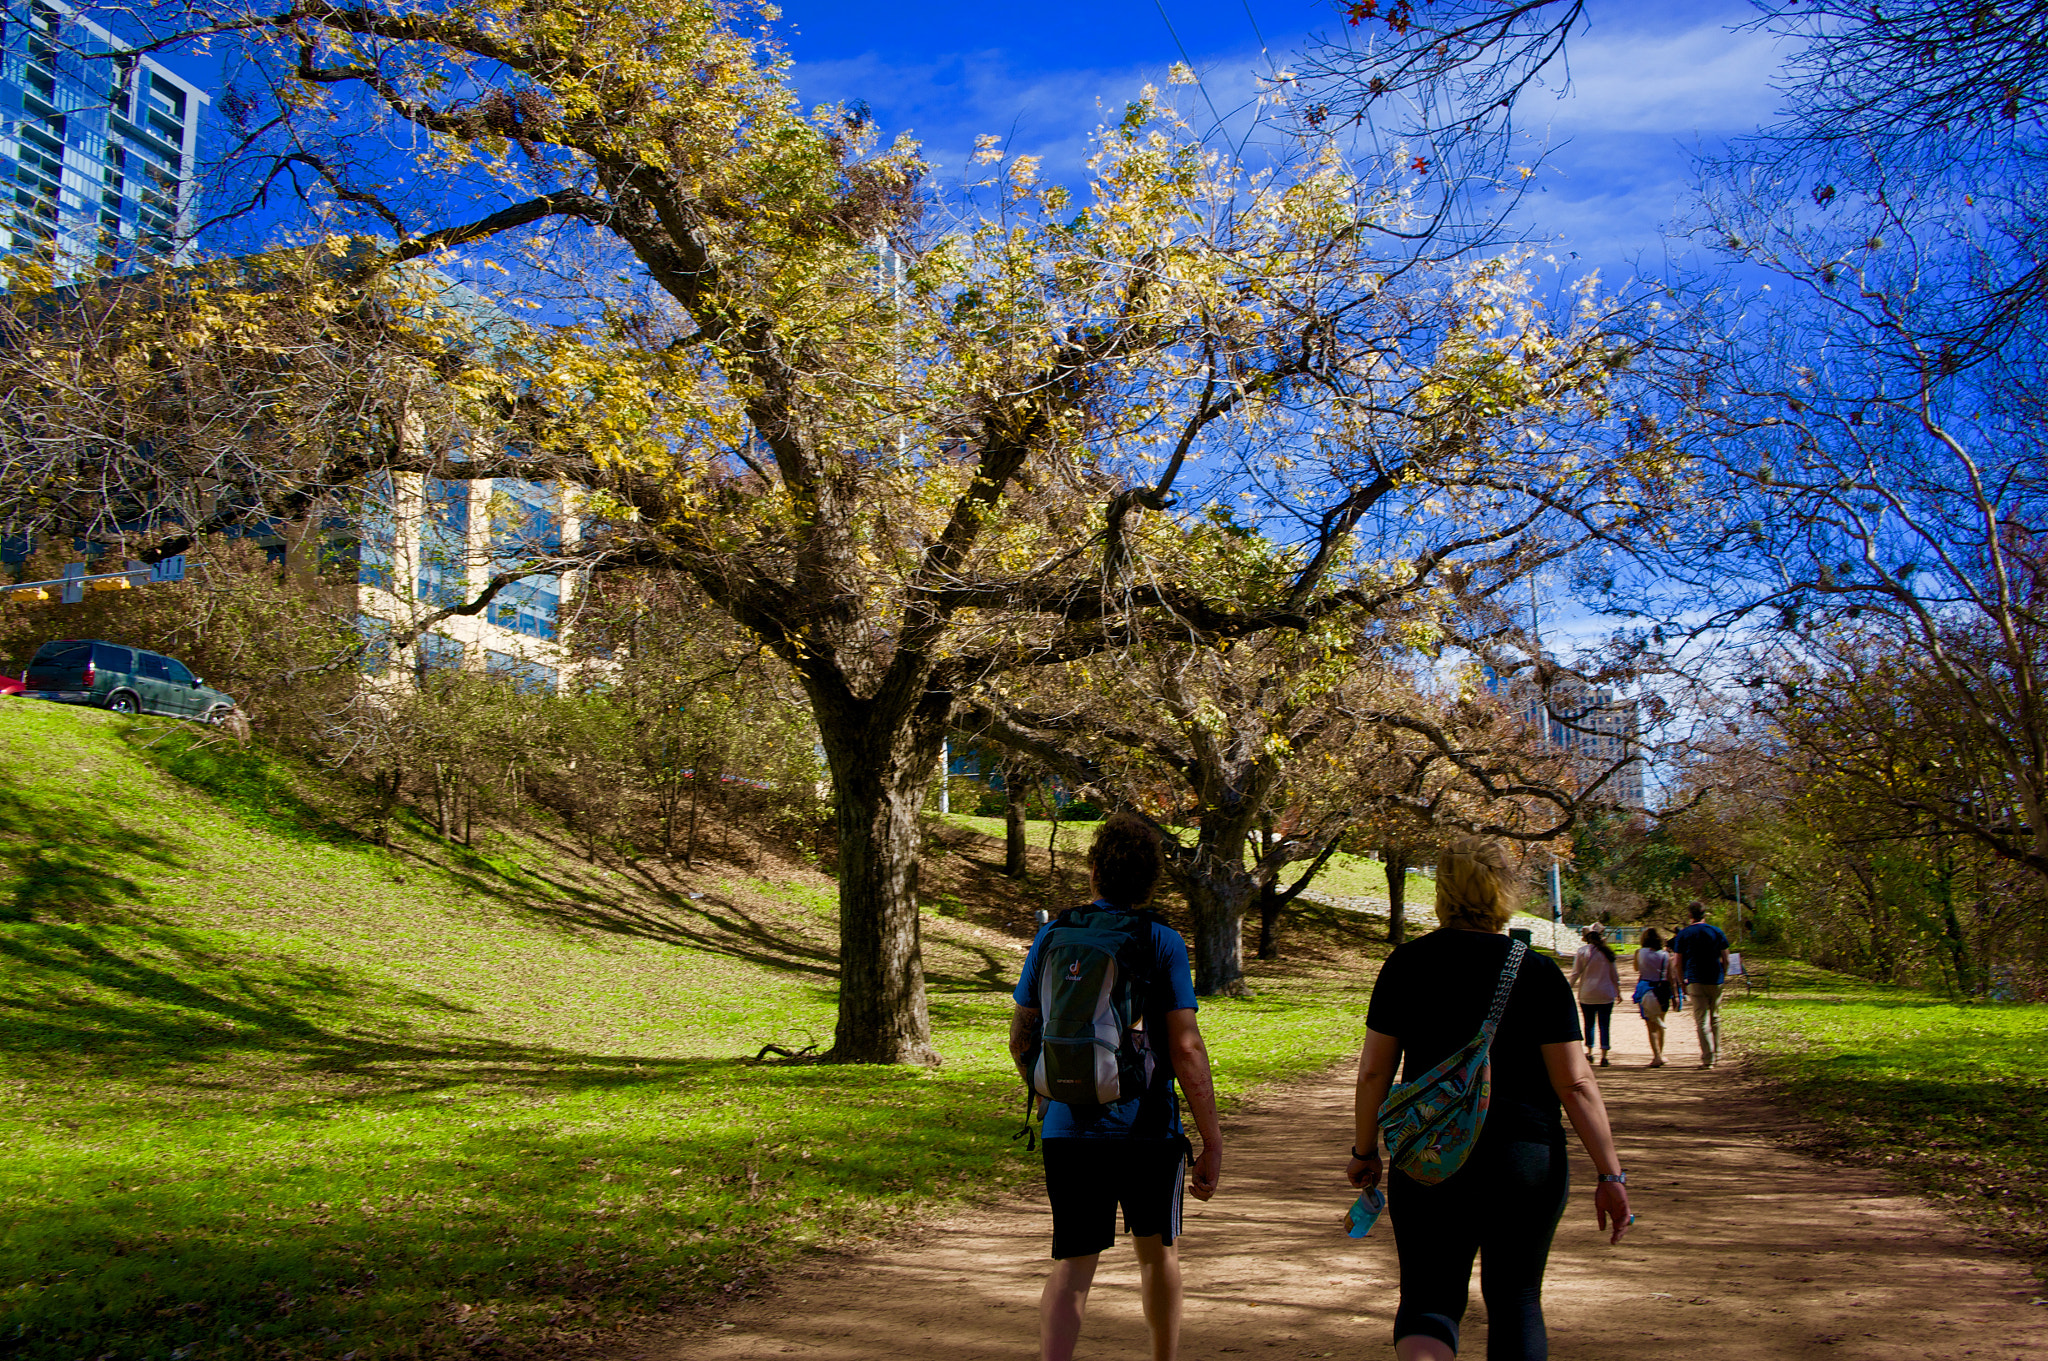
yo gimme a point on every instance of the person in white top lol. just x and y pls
(1597, 981)
(1655, 968)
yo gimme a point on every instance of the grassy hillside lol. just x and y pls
(272, 1091)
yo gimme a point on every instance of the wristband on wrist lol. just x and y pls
(1618, 1178)
(1364, 1157)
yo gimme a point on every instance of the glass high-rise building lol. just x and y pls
(98, 151)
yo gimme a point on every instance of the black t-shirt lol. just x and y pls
(1700, 946)
(1432, 995)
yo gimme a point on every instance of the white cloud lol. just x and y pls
(1703, 79)
(1643, 102)
(1649, 86)
(949, 101)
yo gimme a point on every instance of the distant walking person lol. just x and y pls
(1430, 1001)
(1597, 981)
(1704, 950)
(1112, 967)
(1653, 990)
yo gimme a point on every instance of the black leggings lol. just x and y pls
(1603, 1014)
(1504, 1205)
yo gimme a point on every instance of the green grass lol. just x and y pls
(1354, 876)
(270, 1091)
(1952, 1098)
(1342, 876)
(1072, 837)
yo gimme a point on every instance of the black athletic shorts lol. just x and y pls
(1086, 1179)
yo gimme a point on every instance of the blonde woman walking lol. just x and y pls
(1597, 982)
(1429, 1000)
(1653, 990)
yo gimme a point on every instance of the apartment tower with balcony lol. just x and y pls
(99, 150)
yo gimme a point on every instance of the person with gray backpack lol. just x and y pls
(1103, 1031)
(1474, 1132)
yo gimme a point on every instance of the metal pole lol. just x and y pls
(137, 575)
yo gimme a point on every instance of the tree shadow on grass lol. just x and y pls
(135, 999)
(713, 923)
(78, 856)
(505, 1229)
(136, 994)
(146, 1002)
(250, 781)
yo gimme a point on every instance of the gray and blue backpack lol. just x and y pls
(1093, 985)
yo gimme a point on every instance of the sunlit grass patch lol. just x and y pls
(1950, 1097)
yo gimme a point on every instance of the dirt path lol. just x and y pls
(1743, 1250)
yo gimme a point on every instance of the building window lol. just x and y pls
(377, 554)
(526, 524)
(527, 677)
(444, 543)
(526, 519)
(92, 112)
(436, 654)
(530, 607)
(376, 636)
(168, 100)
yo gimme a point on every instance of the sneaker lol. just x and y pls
(1603, 1058)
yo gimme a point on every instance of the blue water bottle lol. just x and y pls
(1364, 1213)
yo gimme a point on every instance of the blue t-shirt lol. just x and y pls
(1155, 1114)
(1700, 946)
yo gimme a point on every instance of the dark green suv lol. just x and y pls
(124, 679)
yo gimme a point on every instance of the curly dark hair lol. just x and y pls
(1126, 859)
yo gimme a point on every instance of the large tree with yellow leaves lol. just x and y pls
(912, 446)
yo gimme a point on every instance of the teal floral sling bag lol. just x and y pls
(1432, 1123)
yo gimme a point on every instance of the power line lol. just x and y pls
(1264, 51)
(1189, 61)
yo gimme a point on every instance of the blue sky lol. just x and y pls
(1650, 83)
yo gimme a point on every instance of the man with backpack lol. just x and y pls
(1104, 1026)
(1704, 950)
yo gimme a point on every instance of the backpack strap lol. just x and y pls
(1142, 967)
(1025, 1132)
(1516, 953)
(1140, 916)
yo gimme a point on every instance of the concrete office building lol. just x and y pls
(1598, 727)
(99, 151)
(427, 543)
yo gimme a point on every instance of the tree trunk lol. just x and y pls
(1952, 938)
(720, 786)
(671, 795)
(388, 783)
(1269, 921)
(1218, 900)
(696, 797)
(1013, 829)
(1052, 843)
(1397, 895)
(881, 781)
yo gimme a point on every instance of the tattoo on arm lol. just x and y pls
(1024, 1027)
